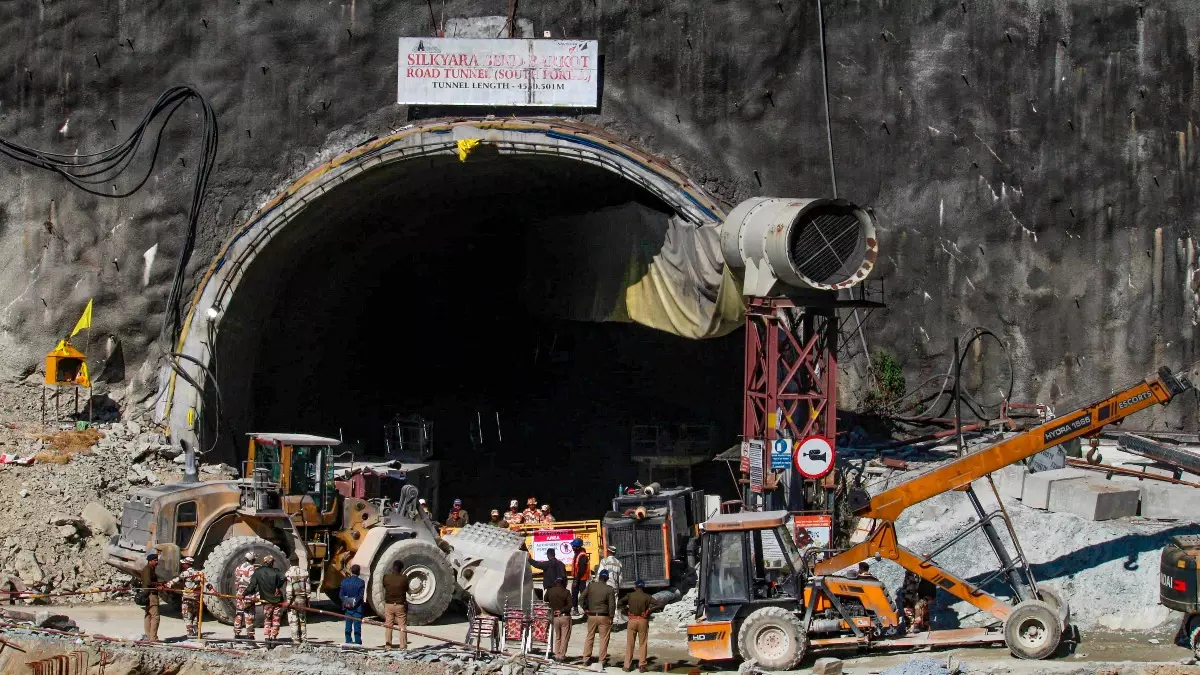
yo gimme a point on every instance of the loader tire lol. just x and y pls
(1033, 630)
(773, 638)
(431, 581)
(1055, 599)
(221, 563)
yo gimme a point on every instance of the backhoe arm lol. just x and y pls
(1086, 421)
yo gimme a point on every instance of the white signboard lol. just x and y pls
(814, 457)
(757, 449)
(498, 72)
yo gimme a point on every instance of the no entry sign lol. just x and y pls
(814, 457)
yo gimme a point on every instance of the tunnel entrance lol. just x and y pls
(485, 296)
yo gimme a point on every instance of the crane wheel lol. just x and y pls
(1033, 630)
(221, 563)
(773, 638)
(431, 581)
(1055, 599)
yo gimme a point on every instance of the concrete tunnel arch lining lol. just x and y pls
(180, 404)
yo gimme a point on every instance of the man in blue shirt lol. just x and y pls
(351, 593)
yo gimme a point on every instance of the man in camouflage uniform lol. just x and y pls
(296, 596)
(244, 615)
(513, 516)
(531, 513)
(190, 579)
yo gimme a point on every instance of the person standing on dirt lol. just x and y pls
(189, 580)
(267, 583)
(612, 564)
(243, 618)
(559, 600)
(639, 604)
(581, 571)
(351, 593)
(296, 594)
(150, 586)
(458, 515)
(395, 609)
(599, 603)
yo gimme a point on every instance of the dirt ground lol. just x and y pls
(1149, 653)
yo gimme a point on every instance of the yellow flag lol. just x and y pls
(85, 321)
(465, 146)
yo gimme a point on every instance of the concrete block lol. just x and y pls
(1010, 480)
(827, 666)
(1169, 502)
(1037, 485)
(1049, 460)
(1094, 499)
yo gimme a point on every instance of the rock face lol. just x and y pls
(1032, 164)
(98, 519)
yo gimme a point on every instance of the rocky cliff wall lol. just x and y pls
(1032, 163)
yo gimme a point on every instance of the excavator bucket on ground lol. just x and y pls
(490, 565)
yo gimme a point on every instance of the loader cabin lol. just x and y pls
(746, 558)
(293, 474)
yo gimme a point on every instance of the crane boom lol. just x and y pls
(1086, 421)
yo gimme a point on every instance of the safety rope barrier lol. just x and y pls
(27, 595)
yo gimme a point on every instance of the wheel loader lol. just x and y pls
(760, 599)
(287, 505)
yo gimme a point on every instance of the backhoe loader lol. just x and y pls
(759, 599)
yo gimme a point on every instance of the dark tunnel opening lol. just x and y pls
(469, 293)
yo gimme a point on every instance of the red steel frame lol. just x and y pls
(789, 366)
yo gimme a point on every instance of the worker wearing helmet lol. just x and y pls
(458, 515)
(611, 564)
(189, 580)
(531, 513)
(546, 516)
(581, 572)
(243, 617)
(513, 515)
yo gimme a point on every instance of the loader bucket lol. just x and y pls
(490, 565)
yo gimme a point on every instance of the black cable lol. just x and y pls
(216, 390)
(106, 166)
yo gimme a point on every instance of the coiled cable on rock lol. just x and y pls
(947, 387)
(88, 170)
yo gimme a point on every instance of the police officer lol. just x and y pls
(559, 600)
(296, 595)
(638, 604)
(599, 602)
(243, 617)
(150, 586)
(189, 580)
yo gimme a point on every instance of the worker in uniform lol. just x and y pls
(611, 564)
(395, 605)
(513, 516)
(496, 520)
(639, 604)
(150, 586)
(546, 516)
(916, 599)
(458, 515)
(581, 572)
(599, 602)
(189, 581)
(267, 583)
(559, 600)
(531, 514)
(243, 617)
(296, 594)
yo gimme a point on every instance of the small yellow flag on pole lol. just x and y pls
(85, 321)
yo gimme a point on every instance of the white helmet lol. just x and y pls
(249, 556)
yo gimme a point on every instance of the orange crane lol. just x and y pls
(773, 610)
